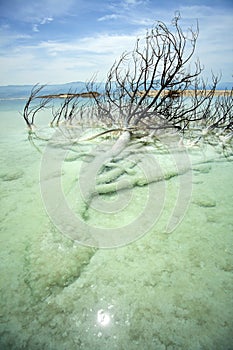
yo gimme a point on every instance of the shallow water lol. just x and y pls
(162, 291)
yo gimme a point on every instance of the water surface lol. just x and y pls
(162, 291)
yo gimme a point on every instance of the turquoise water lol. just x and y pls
(161, 291)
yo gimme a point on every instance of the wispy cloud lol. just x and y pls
(74, 60)
(43, 21)
(9, 37)
(131, 10)
(36, 11)
(134, 2)
(46, 20)
(35, 28)
(109, 17)
(103, 44)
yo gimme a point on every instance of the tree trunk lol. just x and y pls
(92, 171)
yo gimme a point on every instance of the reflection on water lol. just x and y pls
(163, 291)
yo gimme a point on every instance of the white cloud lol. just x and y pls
(46, 20)
(134, 2)
(35, 28)
(58, 62)
(43, 21)
(145, 22)
(99, 44)
(109, 17)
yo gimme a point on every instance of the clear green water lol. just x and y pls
(163, 291)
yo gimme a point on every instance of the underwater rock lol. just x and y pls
(11, 176)
(52, 175)
(205, 202)
(72, 158)
(197, 182)
(202, 168)
(212, 218)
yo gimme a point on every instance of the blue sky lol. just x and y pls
(53, 41)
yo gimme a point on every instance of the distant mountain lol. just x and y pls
(23, 91)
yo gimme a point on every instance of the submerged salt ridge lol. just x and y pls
(161, 292)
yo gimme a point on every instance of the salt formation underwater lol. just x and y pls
(159, 291)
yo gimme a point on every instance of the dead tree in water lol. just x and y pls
(141, 86)
(67, 110)
(145, 95)
(31, 108)
(145, 89)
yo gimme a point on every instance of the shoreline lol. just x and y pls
(174, 94)
(187, 93)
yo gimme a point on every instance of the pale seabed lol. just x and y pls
(163, 291)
